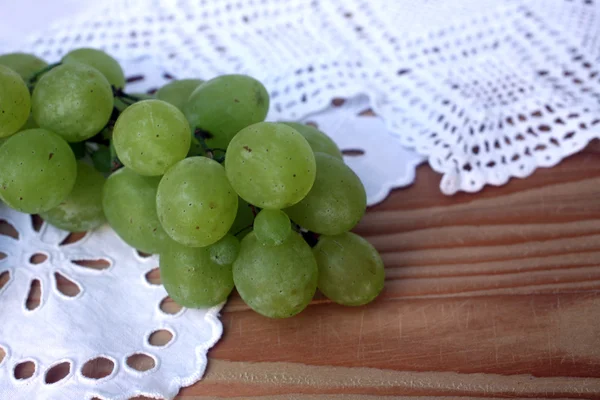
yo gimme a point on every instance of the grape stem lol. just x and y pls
(296, 227)
(311, 238)
(36, 75)
(118, 92)
(199, 134)
(243, 229)
(116, 164)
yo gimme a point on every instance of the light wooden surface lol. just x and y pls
(489, 295)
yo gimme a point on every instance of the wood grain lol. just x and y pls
(488, 295)
(494, 294)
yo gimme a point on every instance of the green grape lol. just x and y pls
(276, 281)
(225, 251)
(178, 92)
(37, 171)
(336, 202)
(151, 136)
(351, 271)
(82, 209)
(192, 278)
(272, 227)
(15, 102)
(129, 203)
(317, 140)
(121, 104)
(196, 148)
(73, 100)
(243, 219)
(102, 159)
(222, 106)
(196, 204)
(29, 124)
(270, 165)
(23, 64)
(108, 66)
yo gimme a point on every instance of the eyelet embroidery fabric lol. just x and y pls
(76, 328)
(484, 90)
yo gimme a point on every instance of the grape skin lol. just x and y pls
(23, 64)
(82, 209)
(129, 203)
(37, 172)
(225, 251)
(223, 106)
(351, 271)
(178, 92)
(272, 227)
(192, 278)
(336, 202)
(121, 105)
(29, 124)
(276, 281)
(317, 140)
(15, 102)
(270, 165)
(196, 204)
(108, 66)
(150, 136)
(243, 219)
(73, 100)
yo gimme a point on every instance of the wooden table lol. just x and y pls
(494, 294)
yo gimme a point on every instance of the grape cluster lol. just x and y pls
(192, 173)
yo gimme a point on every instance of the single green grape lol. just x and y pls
(351, 271)
(15, 102)
(192, 278)
(243, 220)
(225, 251)
(150, 136)
(129, 203)
(82, 209)
(23, 64)
(272, 227)
(178, 92)
(317, 140)
(122, 104)
(270, 165)
(276, 281)
(37, 171)
(196, 205)
(73, 100)
(336, 202)
(223, 106)
(108, 66)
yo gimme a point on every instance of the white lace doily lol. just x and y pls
(486, 90)
(111, 314)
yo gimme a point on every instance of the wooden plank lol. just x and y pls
(494, 294)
